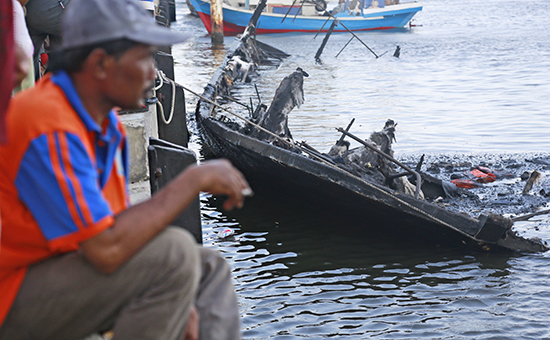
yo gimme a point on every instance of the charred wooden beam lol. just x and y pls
(385, 155)
(325, 40)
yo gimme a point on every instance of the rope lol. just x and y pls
(255, 125)
(160, 79)
(163, 78)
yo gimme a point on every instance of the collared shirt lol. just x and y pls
(62, 179)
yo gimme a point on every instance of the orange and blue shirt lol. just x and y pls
(63, 178)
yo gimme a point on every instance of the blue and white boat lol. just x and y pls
(282, 16)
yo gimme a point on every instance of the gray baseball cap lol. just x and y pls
(88, 22)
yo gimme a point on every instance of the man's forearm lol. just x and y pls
(137, 225)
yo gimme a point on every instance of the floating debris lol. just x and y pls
(533, 178)
(225, 233)
(397, 52)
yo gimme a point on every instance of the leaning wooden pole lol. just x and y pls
(257, 12)
(216, 21)
(356, 37)
(322, 47)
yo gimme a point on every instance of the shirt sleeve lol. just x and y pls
(58, 182)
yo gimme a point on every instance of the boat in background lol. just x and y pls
(192, 10)
(310, 16)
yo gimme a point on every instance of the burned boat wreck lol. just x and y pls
(366, 182)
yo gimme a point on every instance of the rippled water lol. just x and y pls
(473, 79)
(300, 276)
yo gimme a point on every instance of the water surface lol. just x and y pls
(472, 79)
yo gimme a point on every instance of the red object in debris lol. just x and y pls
(465, 183)
(482, 176)
(479, 174)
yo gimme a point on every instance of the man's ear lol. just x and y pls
(99, 63)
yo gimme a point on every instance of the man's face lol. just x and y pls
(131, 77)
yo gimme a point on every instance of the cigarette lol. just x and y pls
(247, 192)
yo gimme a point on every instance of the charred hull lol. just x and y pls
(271, 169)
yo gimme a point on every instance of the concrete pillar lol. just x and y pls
(216, 18)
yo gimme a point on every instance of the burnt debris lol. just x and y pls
(359, 175)
(289, 94)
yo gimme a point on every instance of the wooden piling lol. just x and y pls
(216, 19)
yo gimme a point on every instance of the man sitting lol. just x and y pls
(75, 258)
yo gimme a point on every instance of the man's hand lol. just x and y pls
(219, 177)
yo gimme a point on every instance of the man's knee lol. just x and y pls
(173, 252)
(216, 271)
(212, 261)
(217, 300)
(180, 249)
